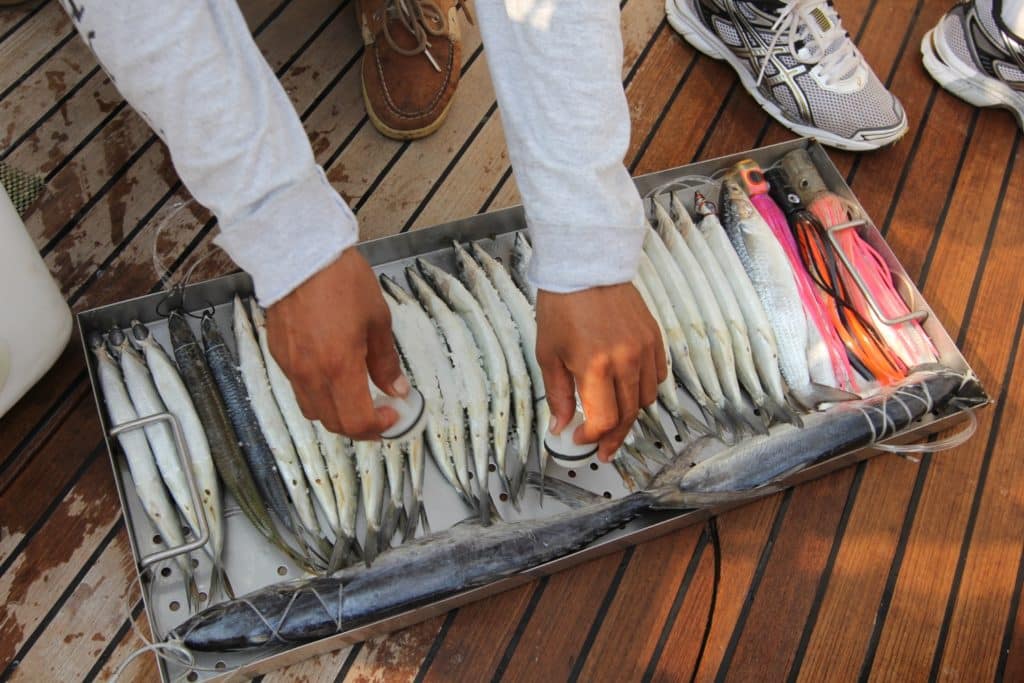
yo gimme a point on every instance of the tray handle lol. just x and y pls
(186, 464)
(918, 315)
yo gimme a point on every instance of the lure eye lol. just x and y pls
(755, 177)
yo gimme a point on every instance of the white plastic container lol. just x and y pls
(35, 321)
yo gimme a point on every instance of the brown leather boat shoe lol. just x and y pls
(411, 63)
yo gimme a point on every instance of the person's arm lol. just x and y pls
(193, 71)
(557, 70)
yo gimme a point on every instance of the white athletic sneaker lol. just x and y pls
(796, 60)
(972, 56)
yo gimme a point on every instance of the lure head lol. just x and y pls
(804, 175)
(783, 193)
(750, 176)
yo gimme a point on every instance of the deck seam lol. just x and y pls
(599, 616)
(677, 603)
(58, 605)
(517, 634)
(755, 584)
(994, 429)
(435, 646)
(826, 575)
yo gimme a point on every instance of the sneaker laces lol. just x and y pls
(422, 19)
(834, 52)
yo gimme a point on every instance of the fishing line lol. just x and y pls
(685, 182)
(716, 549)
(160, 266)
(171, 651)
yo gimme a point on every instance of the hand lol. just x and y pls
(327, 335)
(604, 341)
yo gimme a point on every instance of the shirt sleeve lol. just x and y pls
(194, 73)
(557, 72)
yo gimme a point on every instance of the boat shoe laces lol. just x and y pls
(422, 19)
(813, 34)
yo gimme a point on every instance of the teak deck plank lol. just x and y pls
(932, 552)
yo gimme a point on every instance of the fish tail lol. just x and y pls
(219, 582)
(192, 600)
(650, 420)
(629, 463)
(816, 394)
(424, 522)
(484, 504)
(568, 494)
(729, 430)
(686, 424)
(741, 417)
(390, 521)
(412, 519)
(781, 411)
(371, 545)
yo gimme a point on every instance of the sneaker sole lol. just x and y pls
(397, 134)
(964, 80)
(697, 35)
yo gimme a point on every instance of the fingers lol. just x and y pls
(627, 391)
(648, 379)
(600, 403)
(352, 403)
(560, 388)
(382, 361)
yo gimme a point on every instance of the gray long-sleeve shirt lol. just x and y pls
(193, 71)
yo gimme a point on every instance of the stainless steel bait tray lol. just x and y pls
(252, 564)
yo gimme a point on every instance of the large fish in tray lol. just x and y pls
(467, 555)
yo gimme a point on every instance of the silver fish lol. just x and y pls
(341, 469)
(261, 398)
(508, 336)
(766, 263)
(421, 347)
(302, 432)
(450, 562)
(465, 357)
(141, 464)
(759, 329)
(522, 252)
(714, 322)
(176, 398)
(525, 319)
(370, 465)
(462, 302)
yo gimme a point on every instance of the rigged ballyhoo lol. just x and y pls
(177, 401)
(224, 443)
(141, 463)
(468, 555)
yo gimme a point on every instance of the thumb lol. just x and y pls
(382, 362)
(561, 392)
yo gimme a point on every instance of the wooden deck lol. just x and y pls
(889, 570)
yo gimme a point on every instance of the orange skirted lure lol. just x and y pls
(868, 351)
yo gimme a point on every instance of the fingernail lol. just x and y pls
(556, 425)
(401, 386)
